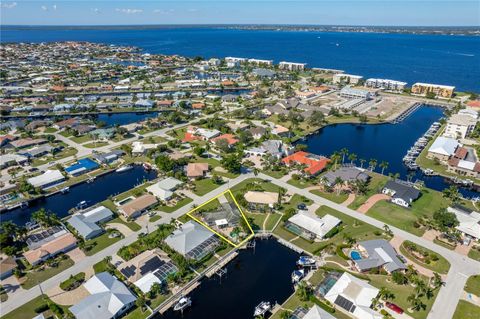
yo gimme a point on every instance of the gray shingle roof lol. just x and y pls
(380, 254)
(405, 192)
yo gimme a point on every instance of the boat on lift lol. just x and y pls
(182, 304)
(297, 275)
(65, 190)
(262, 308)
(81, 205)
(306, 261)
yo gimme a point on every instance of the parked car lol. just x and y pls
(302, 206)
(394, 307)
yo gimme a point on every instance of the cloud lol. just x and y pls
(129, 11)
(10, 5)
(44, 8)
(96, 10)
(54, 7)
(192, 10)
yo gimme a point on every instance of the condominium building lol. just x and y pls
(459, 126)
(346, 78)
(385, 84)
(444, 91)
(292, 66)
(350, 93)
(261, 62)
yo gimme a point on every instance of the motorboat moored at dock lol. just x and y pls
(182, 304)
(262, 308)
(124, 168)
(306, 261)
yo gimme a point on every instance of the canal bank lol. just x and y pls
(99, 190)
(249, 280)
(383, 142)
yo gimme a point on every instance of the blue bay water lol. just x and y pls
(450, 60)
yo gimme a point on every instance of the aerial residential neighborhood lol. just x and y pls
(144, 180)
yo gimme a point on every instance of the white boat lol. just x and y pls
(91, 179)
(262, 308)
(297, 275)
(183, 303)
(306, 261)
(65, 190)
(82, 204)
(124, 168)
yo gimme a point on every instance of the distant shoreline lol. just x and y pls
(419, 30)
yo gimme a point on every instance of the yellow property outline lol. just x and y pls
(190, 214)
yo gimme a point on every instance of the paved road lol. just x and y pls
(461, 267)
(24, 296)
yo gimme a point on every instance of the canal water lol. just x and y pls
(383, 142)
(103, 186)
(252, 277)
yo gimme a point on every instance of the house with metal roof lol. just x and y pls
(401, 193)
(346, 174)
(105, 158)
(377, 253)
(82, 166)
(192, 240)
(164, 188)
(87, 224)
(311, 226)
(468, 221)
(109, 298)
(355, 296)
(442, 148)
(48, 179)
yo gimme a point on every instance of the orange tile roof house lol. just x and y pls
(315, 163)
(60, 244)
(198, 105)
(474, 104)
(196, 170)
(138, 206)
(230, 138)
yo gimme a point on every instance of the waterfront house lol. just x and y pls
(197, 170)
(275, 148)
(468, 221)
(138, 206)
(71, 122)
(442, 148)
(227, 215)
(139, 148)
(26, 142)
(81, 167)
(464, 162)
(376, 253)
(7, 265)
(87, 223)
(48, 245)
(11, 159)
(310, 226)
(355, 296)
(106, 158)
(46, 180)
(401, 193)
(459, 126)
(150, 267)
(164, 188)
(313, 313)
(103, 134)
(261, 201)
(193, 241)
(346, 174)
(314, 163)
(281, 131)
(108, 298)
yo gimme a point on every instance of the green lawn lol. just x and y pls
(137, 314)
(180, 203)
(301, 183)
(35, 277)
(65, 134)
(27, 310)
(474, 254)
(275, 174)
(99, 243)
(204, 186)
(81, 139)
(132, 225)
(340, 198)
(50, 130)
(403, 218)
(94, 145)
(101, 266)
(466, 310)
(243, 187)
(295, 200)
(375, 185)
(272, 221)
(69, 151)
(441, 265)
(473, 285)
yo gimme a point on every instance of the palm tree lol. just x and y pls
(352, 157)
(416, 304)
(303, 291)
(436, 280)
(362, 161)
(255, 171)
(344, 152)
(335, 158)
(383, 165)
(386, 294)
(373, 164)
(338, 184)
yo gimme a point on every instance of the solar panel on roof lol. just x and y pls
(151, 265)
(345, 303)
(128, 271)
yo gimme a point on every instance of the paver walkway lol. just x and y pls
(372, 201)
(464, 249)
(67, 298)
(396, 242)
(349, 200)
(76, 254)
(121, 228)
(431, 234)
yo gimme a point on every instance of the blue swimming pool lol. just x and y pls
(355, 255)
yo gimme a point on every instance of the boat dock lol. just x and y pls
(218, 266)
(406, 113)
(171, 301)
(410, 158)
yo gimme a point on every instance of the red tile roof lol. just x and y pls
(461, 152)
(230, 138)
(314, 163)
(474, 103)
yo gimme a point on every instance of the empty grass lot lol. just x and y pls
(473, 285)
(99, 243)
(34, 277)
(466, 310)
(441, 265)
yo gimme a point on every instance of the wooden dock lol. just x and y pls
(221, 264)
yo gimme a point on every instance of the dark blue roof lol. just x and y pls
(85, 164)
